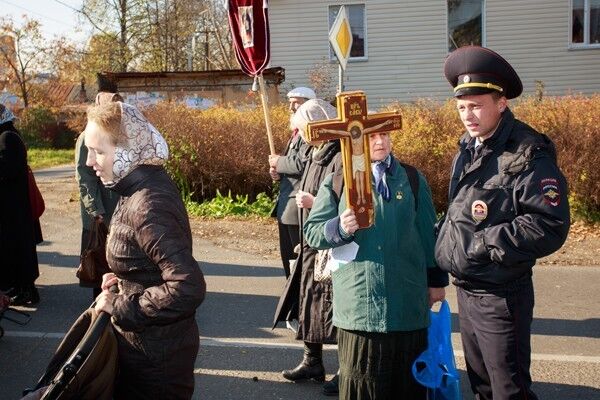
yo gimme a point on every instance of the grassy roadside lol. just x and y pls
(44, 158)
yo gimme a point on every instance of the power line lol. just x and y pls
(67, 5)
(94, 24)
(34, 12)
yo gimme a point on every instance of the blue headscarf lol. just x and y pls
(6, 115)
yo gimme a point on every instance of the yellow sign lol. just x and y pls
(340, 37)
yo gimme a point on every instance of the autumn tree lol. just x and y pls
(117, 20)
(218, 51)
(102, 53)
(159, 35)
(26, 56)
(170, 26)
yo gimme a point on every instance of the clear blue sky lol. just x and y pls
(56, 18)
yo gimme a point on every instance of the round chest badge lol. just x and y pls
(479, 210)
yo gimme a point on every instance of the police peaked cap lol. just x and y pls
(477, 70)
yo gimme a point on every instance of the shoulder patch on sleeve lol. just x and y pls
(550, 191)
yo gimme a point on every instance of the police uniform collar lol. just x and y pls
(503, 131)
(470, 144)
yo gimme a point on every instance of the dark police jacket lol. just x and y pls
(507, 207)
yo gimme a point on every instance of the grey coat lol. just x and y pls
(290, 168)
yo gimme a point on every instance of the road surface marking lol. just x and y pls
(257, 344)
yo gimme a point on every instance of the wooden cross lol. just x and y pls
(353, 127)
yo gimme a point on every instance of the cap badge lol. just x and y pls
(466, 79)
(479, 210)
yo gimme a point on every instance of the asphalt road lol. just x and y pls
(241, 356)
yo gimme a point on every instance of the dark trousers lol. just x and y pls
(289, 237)
(496, 331)
(378, 365)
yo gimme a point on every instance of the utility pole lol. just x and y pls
(190, 60)
(206, 66)
(206, 43)
(206, 31)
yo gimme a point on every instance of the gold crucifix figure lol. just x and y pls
(353, 128)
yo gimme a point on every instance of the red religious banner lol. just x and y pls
(249, 23)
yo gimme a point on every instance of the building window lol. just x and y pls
(358, 27)
(465, 23)
(585, 23)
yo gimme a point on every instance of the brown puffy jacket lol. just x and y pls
(150, 249)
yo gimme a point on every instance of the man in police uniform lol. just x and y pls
(288, 169)
(507, 207)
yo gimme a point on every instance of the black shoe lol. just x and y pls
(332, 388)
(28, 295)
(304, 371)
(35, 295)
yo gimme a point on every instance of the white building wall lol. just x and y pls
(534, 37)
(407, 44)
(406, 47)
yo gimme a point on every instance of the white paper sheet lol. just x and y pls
(342, 255)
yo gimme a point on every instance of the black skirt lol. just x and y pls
(378, 365)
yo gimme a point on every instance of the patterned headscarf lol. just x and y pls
(6, 115)
(144, 144)
(312, 110)
(107, 97)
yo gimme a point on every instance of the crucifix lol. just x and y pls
(353, 127)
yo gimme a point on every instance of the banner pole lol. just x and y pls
(265, 104)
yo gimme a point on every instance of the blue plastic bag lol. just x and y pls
(435, 368)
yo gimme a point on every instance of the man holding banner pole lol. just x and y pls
(288, 169)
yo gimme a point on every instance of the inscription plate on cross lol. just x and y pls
(353, 127)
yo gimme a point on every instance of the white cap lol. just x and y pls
(301, 91)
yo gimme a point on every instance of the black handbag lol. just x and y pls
(93, 262)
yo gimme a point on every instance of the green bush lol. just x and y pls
(225, 206)
(428, 140)
(37, 125)
(571, 122)
(227, 150)
(220, 148)
(431, 131)
(41, 127)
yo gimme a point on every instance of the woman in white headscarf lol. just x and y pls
(149, 250)
(307, 287)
